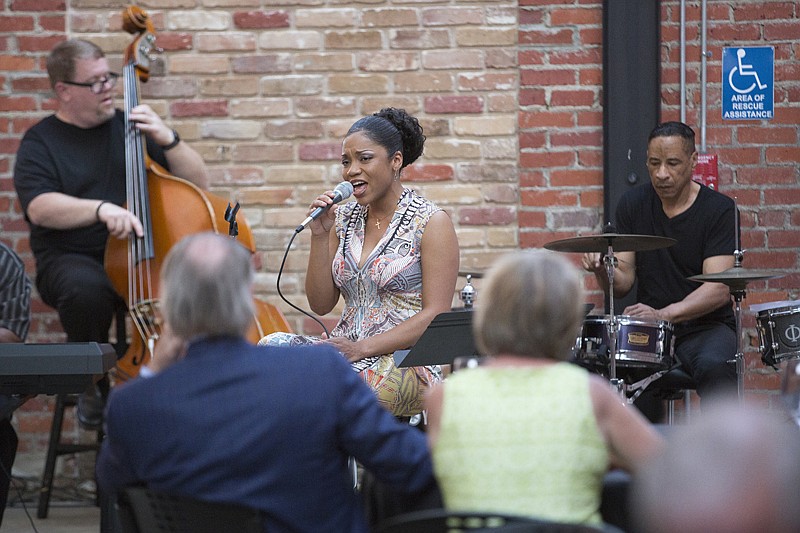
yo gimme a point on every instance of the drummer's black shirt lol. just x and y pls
(704, 230)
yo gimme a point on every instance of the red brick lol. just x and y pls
(783, 154)
(784, 239)
(542, 37)
(532, 219)
(546, 159)
(576, 177)
(175, 41)
(15, 23)
(453, 104)
(38, 5)
(529, 16)
(9, 62)
(52, 22)
(780, 31)
(423, 173)
(545, 198)
(568, 98)
(532, 178)
(531, 57)
(532, 96)
(255, 20)
(766, 175)
(763, 10)
(576, 138)
(532, 140)
(546, 119)
(199, 108)
(30, 84)
(37, 43)
(544, 77)
(486, 216)
(569, 17)
(583, 56)
(320, 151)
(734, 32)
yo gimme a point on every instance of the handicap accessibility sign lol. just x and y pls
(748, 83)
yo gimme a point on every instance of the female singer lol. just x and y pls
(392, 255)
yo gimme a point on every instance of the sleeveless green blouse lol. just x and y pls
(522, 441)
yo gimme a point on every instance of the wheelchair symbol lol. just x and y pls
(744, 70)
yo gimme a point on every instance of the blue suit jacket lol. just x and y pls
(266, 427)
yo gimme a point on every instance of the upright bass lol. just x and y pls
(169, 209)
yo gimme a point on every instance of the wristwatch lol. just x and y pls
(174, 142)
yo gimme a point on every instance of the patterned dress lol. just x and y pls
(381, 294)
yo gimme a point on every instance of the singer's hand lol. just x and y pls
(324, 222)
(349, 349)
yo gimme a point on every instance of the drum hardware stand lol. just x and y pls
(468, 293)
(642, 384)
(610, 262)
(738, 293)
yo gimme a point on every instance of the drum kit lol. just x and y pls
(644, 348)
(633, 343)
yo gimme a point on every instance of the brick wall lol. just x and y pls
(509, 94)
(265, 91)
(561, 168)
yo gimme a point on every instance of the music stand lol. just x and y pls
(448, 336)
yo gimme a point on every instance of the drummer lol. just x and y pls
(702, 222)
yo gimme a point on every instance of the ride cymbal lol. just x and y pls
(738, 276)
(618, 242)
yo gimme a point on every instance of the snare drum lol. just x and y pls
(779, 334)
(641, 343)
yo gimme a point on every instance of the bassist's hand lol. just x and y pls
(119, 221)
(149, 122)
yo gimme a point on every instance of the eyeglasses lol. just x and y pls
(97, 86)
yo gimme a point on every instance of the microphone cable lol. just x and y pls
(278, 285)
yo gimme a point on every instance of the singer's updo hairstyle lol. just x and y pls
(395, 130)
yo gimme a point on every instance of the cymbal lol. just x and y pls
(475, 275)
(619, 242)
(738, 276)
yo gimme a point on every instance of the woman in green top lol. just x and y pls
(529, 433)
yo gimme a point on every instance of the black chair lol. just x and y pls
(676, 384)
(57, 448)
(441, 521)
(141, 510)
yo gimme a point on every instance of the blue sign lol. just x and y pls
(748, 83)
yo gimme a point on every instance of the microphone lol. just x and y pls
(341, 192)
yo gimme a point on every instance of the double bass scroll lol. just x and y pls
(169, 208)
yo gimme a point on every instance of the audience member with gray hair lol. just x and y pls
(735, 469)
(267, 427)
(529, 433)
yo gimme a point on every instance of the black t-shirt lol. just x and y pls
(86, 163)
(704, 230)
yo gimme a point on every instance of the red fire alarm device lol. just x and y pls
(705, 171)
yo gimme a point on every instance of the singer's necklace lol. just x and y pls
(378, 221)
(381, 219)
